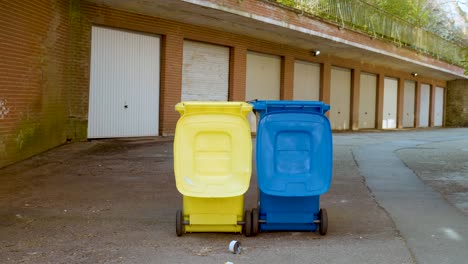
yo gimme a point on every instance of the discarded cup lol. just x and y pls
(235, 247)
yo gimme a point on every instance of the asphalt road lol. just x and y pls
(114, 201)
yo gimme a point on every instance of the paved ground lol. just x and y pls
(114, 201)
(435, 230)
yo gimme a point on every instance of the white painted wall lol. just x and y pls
(424, 103)
(205, 74)
(389, 119)
(439, 106)
(367, 100)
(408, 104)
(124, 84)
(263, 80)
(340, 98)
(306, 81)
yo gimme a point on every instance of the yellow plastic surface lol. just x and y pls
(213, 149)
(213, 214)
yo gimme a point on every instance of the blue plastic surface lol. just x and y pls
(288, 213)
(294, 148)
(294, 163)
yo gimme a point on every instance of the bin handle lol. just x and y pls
(263, 106)
(244, 108)
(180, 108)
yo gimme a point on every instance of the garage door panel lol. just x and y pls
(263, 80)
(408, 104)
(340, 98)
(205, 73)
(124, 84)
(424, 105)
(439, 106)
(367, 100)
(389, 119)
(306, 81)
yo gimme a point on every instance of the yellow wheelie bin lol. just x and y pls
(212, 166)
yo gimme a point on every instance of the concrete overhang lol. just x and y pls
(284, 26)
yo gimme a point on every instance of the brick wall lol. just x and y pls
(457, 103)
(33, 70)
(45, 68)
(171, 65)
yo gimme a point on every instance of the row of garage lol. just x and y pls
(125, 78)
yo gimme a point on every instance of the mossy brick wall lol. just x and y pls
(78, 73)
(34, 37)
(457, 104)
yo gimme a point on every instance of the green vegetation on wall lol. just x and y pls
(416, 24)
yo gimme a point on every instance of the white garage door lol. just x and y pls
(439, 106)
(340, 96)
(263, 80)
(389, 119)
(408, 105)
(367, 100)
(124, 84)
(424, 102)
(205, 74)
(306, 81)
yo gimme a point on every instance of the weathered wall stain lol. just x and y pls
(35, 79)
(4, 109)
(457, 103)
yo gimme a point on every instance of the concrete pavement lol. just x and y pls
(114, 201)
(436, 231)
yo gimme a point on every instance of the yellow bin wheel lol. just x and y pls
(180, 223)
(247, 223)
(255, 218)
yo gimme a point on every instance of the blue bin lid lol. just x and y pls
(269, 106)
(294, 148)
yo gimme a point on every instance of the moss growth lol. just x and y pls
(457, 104)
(77, 130)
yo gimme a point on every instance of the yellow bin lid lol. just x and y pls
(213, 149)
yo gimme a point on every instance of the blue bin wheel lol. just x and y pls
(323, 217)
(179, 223)
(248, 223)
(255, 217)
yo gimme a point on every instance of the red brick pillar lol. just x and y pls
(237, 73)
(380, 99)
(287, 78)
(171, 81)
(432, 106)
(417, 104)
(401, 102)
(325, 83)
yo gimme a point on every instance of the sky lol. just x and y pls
(450, 6)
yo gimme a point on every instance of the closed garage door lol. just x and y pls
(124, 84)
(390, 103)
(340, 98)
(205, 75)
(263, 79)
(367, 100)
(408, 105)
(424, 102)
(439, 106)
(306, 81)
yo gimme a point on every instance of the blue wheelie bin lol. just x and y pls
(294, 165)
